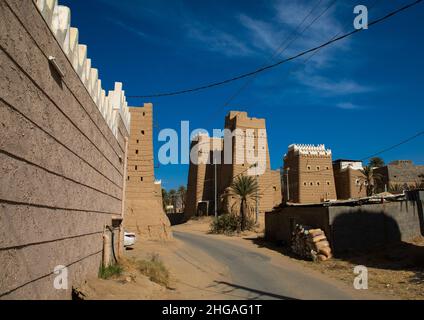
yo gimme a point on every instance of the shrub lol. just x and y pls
(155, 270)
(229, 224)
(110, 271)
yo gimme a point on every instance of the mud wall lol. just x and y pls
(61, 171)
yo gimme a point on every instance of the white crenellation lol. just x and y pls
(310, 149)
(58, 18)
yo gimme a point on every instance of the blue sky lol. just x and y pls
(357, 96)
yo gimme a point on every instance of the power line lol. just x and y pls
(262, 69)
(395, 145)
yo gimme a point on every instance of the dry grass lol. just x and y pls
(155, 270)
(396, 271)
(112, 271)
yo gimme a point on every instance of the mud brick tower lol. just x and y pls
(144, 212)
(308, 174)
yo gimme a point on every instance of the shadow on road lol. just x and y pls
(260, 293)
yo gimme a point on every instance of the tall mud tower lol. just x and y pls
(268, 180)
(143, 198)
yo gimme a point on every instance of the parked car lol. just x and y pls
(129, 239)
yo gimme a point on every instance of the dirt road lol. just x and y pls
(257, 273)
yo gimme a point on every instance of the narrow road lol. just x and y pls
(254, 276)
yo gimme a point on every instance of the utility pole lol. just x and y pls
(216, 186)
(215, 199)
(257, 199)
(287, 181)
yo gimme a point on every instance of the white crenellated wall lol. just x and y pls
(58, 18)
(310, 149)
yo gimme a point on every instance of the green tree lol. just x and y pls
(370, 178)
(376, 162)
(182, 195)
(165, 199)
(246, 189)
(173, 197)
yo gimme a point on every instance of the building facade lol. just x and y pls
(349, 180)
(247, 143)
(144, 212)
(399, 174)
(308, 174)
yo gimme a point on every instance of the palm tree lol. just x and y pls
(376, 162)
(173, 197)
(182, 194)
(370, 177)
(165, 199)
(246, 189)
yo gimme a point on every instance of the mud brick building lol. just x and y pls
(143, 194)
(350, 181)
(308, 174)
(399, 173)
(201, 179)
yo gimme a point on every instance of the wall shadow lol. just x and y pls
(259, 293)
(176, 218)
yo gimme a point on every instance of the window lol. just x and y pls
(142, 132)
(137, 140)
(311, 183)
(144, 113)
(317, 183)
(275, 188)
(136, 151)
(304, 183)
(328, 183)
(141, 178)
(135, 167)
(318, 167)
(357, 182)
(128, 178)
(327, 168)
(309, 167)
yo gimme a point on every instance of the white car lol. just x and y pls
(129, 239)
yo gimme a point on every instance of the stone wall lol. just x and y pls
(356, 227)
(61, 152)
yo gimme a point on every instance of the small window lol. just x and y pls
(135, 167)
(309, 167)
(137, 140)
(275, 188)
(328, 183)
(144, 114)
(304, 183)
(136, 151)
(318, 168)
(141, 178)
(317, 183)
(311, 183)
(142, 132)
(128, 178)
(327, 168)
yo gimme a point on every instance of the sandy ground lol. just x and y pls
(195, 273)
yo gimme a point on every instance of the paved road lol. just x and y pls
(253, 276)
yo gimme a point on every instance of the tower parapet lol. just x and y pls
(58, 18)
